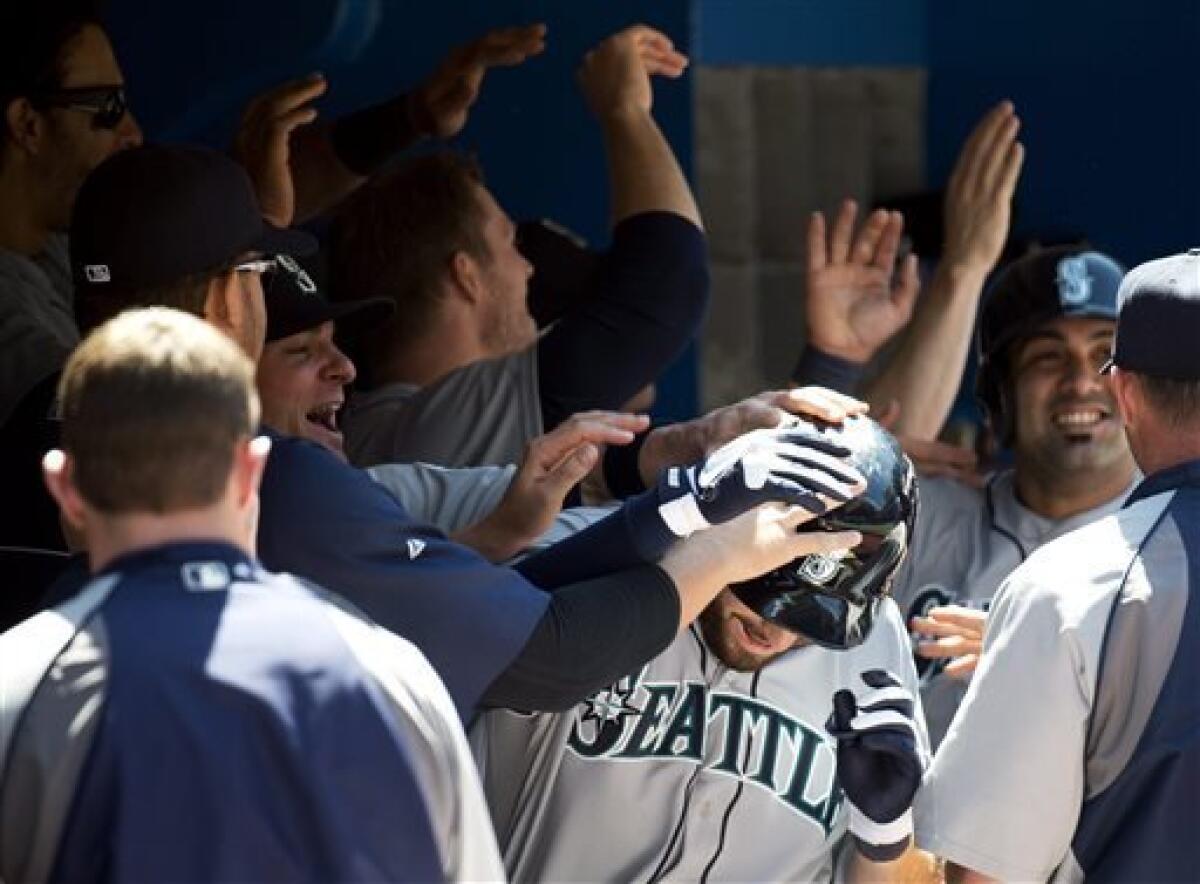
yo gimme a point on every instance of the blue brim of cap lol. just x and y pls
(284, 241)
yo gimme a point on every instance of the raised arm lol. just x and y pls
(615, 78)
(925, 373)
(327, 162)
(856, 298)
(653, 286)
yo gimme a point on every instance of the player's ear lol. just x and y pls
(1128, 396)
(249, 462)
(467, 277)
(58, 474)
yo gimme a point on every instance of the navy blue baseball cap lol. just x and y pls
(156, 214)
(1040, 287)
(295, 304)
(1158, 320)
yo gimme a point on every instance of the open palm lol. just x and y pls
(853, 305)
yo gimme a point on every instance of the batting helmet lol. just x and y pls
(833, 600)
(1054, 282)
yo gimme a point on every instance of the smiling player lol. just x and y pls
(1044, 331)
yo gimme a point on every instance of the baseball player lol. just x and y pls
(1044, 329)
(1076, 753)
(165, 724)
(720, 759)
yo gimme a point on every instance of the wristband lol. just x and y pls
(821, 369)
(621, 473)
(880, 842)
(366, 139)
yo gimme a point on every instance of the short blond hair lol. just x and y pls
(154, 403)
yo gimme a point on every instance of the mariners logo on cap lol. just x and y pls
(1074, 281)
(303, 281)
(819, 569)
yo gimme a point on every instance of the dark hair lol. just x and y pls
(33, 35)
(397, 236)
(153, 404)
(1177, 401)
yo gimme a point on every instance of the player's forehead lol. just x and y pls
(1067, 331)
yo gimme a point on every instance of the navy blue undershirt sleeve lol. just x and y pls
(593, 634)
(366, 139)
(820, 369)
(632, 536)
(333, 525)
(653, 294)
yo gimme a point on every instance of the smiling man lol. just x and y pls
(1044, 331)
(303, 374)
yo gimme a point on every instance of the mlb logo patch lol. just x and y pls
(97, 273)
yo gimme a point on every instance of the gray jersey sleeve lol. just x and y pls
(52, 681)
(448, 498)
(480, 414)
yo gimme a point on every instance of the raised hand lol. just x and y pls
(979, 195)
(263, 143)
(879, 762)
(952, 633)
(439, 106)
(852, 303)
(553, 464)
(766, 466)
(615, 76)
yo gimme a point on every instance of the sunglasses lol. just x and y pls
(108, 105)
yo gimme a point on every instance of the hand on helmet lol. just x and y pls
(879, 762)
(786, 466)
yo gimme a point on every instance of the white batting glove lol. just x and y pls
(788, 465)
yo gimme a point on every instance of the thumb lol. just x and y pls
(889, 415)
(844, 710)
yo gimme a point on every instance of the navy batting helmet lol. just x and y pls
(1034, 290)
(833, 600)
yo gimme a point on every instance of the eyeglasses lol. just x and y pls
(108, 105)
(261, 265)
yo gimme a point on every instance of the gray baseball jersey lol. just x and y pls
(684, 770)
(965, 544)
(1074, 748)
(482, 413)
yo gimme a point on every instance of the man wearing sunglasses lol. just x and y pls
(63, 100)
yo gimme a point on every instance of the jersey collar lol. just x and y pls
(180, 553)
(1186, 473)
